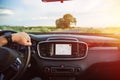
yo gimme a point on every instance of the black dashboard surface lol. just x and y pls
(102, 59)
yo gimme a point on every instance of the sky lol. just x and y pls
(88, 13)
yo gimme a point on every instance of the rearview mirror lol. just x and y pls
(54, 0)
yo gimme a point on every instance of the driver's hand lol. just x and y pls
(21, 38)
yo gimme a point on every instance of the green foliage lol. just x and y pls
(15, 28)
(38, 29)
(42, 29)
(29, 29)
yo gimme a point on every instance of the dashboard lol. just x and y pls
(74, 56)
(66, 55)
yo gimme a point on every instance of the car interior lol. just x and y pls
(62, 55)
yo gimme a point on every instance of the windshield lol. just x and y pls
(83, 16)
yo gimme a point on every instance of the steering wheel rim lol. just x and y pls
(23, 69)
(27, 57)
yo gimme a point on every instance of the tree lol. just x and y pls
(66, 21)
(60, 23)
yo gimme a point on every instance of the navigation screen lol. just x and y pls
(63, 49)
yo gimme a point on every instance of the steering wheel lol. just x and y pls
(14, 62)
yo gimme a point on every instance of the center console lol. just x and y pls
(62, 50)
(60, 57)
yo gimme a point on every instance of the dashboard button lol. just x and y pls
(47, 69)
(77, 70)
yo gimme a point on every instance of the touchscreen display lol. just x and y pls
(63, 49)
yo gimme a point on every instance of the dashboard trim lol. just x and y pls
(62, 38)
